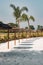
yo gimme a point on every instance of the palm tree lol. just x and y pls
(30, 18)
(26, 18)
(18, 12)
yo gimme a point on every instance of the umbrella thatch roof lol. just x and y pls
(4, 26)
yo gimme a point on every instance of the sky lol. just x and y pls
(35, 8)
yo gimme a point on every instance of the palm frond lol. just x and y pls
(32, 18)
(24, 9)
(24, 17)
(13, 6)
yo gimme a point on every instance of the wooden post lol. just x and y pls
(19, 37)
(26, 35)
(15, 39)
(8, 38)
(15, 42)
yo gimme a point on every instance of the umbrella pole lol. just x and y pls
(8, 38)
(19, 38)
(15, 42)
(15, 39)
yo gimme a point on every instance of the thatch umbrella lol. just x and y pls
(5, 27)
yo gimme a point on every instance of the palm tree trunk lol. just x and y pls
(19, 28)
(29, 29)
(18, 24)
(28, 24)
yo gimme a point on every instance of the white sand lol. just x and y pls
(4, 46)
(37, 45)
(22, 57)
